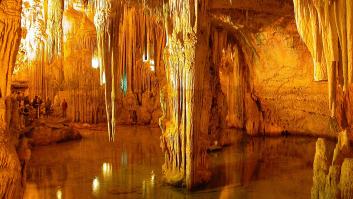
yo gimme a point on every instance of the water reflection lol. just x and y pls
(131, 168)
(59, 194)
(107, 170)
(95, 186)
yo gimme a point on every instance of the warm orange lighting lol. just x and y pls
(152, 67)
(66, 27)
(152, 177)
(103, 78)
(95, 184)
(95, 63)
(107, 169)
(59, 194)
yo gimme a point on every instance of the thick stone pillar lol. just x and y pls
(186, 98)
(10, 35)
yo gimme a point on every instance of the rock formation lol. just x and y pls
(332, 180)
(193, 67)
(49, 131)
(11, 185)
(326, 28)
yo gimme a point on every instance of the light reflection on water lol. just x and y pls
(131, 168)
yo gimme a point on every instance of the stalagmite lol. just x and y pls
(184, 133)
(346, 184)
(321, 168)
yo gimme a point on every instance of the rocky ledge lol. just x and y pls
(50, 131)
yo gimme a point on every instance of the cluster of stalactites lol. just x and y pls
(130, 43)
(32, 20)
(55, 28)
(33, 34)
(78, 27)
(327, 29)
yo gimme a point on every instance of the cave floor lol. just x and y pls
(131, 168)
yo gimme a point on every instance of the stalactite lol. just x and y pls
(102, 23)
(125, 36)
(82, 90)
(328, 24)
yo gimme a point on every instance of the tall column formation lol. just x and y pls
(10, 33)
(10, 36)
(186, 99)
(326, 28)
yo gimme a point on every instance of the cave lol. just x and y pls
(176, 99)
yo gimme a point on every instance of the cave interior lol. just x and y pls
(187, 78)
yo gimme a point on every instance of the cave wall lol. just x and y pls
(284, 81)
(82, 89)
(271, 83)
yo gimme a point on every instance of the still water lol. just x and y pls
(131, 168)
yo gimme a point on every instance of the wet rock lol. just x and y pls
(254, 117)
(155, 117)
(342, 149)
(320, 168)
(332, 183)
(143, 116)
(10, 170)
(346, 183)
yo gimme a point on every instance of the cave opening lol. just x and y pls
(219, 98)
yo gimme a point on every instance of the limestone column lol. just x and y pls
(10, 35)
(186, 98)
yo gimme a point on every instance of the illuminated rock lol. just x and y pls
(320, 168)
(10, 31)
(45, 132)
(326, 28)
(346, 184)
